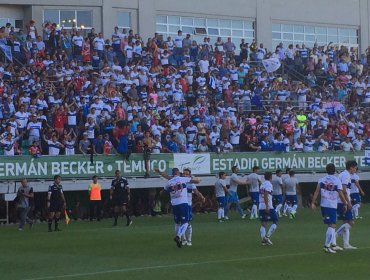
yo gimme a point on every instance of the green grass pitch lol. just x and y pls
(230, 250)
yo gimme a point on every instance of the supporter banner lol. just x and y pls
(271, 64)
(301, 162)
(79, 166)
(197, 163)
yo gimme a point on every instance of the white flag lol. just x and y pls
(7, 51)
(271, 64)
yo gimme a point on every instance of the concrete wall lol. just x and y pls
(344, 13)
(14, 12)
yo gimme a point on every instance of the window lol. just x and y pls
(51, 15)
(173, 20)
(225, 23)
(287, 28)
(309, 35)
(124, 20)
(210, 27)
(237, 24)
(84, 18)
(213, 31)
(13, 22)
(187, 21)
(212, 23)
(69, 18)
(200, 22)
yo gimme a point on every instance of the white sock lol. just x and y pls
(219, 213)
(333, 237)
(254, 211)
(346, 234)
(222, 212)
(182, 229)
(340, 229)
(263, 232)
(278, 207)
(189, 232)
(285, 208)
(328, 237)
(271, 230)
(294, 209)
(355, 210)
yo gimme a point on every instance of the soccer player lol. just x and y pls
(56, 202)
(277, 191)
(284, 177)
(254, 181)
(177, 188)
(232, 194)
(221, 191)
(344, 210)
(120, 197)
(291, 188)
(329, 187)
(356, 193)
(191, 188)
(266, 210)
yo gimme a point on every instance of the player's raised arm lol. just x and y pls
(164, 175)
(195, 180)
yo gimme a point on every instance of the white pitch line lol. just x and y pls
(168, 266)
(175, 265)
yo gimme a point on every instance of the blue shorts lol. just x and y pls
(255, 196)
(355, 198)
(291, 199)
(277, 199)
(232, 197)
(345, 216)
(329, 215)
(271, 216)
(221, 201)
(190, 212)
(181, 213)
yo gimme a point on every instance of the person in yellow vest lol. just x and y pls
(302, 121)
(95, 198)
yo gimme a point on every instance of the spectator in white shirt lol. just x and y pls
(347, 145)
(99, 45)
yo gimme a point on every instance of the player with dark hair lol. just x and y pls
(120, 197)
(221, 190)
(329, 187)
(232, 195)
(56, 202)
(192, 189)
(344, 210)
(266, 210)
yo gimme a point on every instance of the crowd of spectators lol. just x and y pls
(78, 91)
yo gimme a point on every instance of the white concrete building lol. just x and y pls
(269, 21)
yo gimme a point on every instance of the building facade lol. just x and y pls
(342, 22)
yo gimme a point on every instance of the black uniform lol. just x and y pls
(120, 193)
(56, 199)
